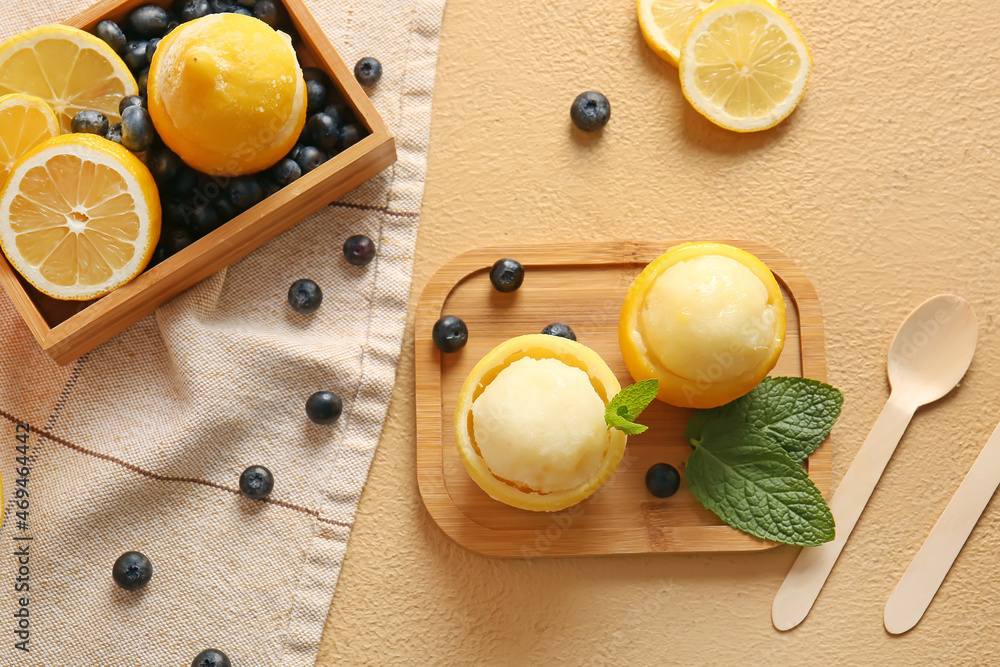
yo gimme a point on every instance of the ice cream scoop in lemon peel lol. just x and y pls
(226, 94)
(529, 423)
(705, 319)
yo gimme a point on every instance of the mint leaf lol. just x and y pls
(625, 407)
(751, 484)
(796, 413)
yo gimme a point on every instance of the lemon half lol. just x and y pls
(25, 122)
(79, 216)
(529, 423)
(68, 68)
(744, 65)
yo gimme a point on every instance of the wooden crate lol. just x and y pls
(582, 285)
(65, 331)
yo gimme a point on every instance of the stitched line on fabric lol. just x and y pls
(165, 478)
(376, 209)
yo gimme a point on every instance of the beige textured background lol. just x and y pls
(882, 185)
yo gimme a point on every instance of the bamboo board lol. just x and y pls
(582, 285)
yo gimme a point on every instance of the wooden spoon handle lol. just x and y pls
(809, 572)
(914, 592)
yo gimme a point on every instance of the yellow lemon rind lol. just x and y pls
(687, 65)
(133, 168)
(538, 346)
(249, 159)
(675, 389)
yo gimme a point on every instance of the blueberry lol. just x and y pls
(245, 192)
(203, 220)
(450, 334)
(590, 111)
(113, 35)
(137, 129)
(226, 209)
(268, 185)
(507, 275)
(286, 172)
(310, 157)
(559, 329)
(185, 182)
(349, 135)
(368, 71)
(148, 21)
(176, 239)
(211, 658)
(663, 480)
(90, 122)
(242, 11)
(316, 96)
(316, 74)
(159, 255)
(266, 11)
(170, 27)
(323, 132)
(294, 153)
(135, 56)
(359, 250)
(175, 214)
(221, 6)
(131, 101)
(142, 81)
(164, 165)
(256, 482)
(305, 296)
(195, 9)
(246, 3)
(151, 49)
(324, 407)
(114, 133)
(338, 112)
(132, 571)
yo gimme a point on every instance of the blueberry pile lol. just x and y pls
(195, 204)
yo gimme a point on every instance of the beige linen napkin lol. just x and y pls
(140, 444)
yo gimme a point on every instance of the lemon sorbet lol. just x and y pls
(226, 94)
(530, 423)
(707, 320)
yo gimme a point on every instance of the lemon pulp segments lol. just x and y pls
(744, 65)
(79, 216)
(68, 68)
(25, 122)
(665, 23)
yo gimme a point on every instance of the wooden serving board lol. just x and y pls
(582, 285)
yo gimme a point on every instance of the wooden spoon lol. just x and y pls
(914, 592)
(928, 357)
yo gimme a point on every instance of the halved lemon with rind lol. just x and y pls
(665, 23)
(25, 122)
(529, 423)
(705, 319)
(79, 216)
(744, 65)
(70, 69)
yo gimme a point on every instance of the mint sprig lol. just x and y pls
(796, 413)
(746, 467)
(626, 406)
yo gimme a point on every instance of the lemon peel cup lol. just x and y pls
(514, 492)
(723, 349)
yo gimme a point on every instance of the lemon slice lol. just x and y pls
(70, 69)
(743, 65)
(79, 216)
(665, 23)
(25, 122)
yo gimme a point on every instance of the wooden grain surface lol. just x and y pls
(582, 285)
(67, 331)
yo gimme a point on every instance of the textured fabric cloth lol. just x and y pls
(139, 445)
